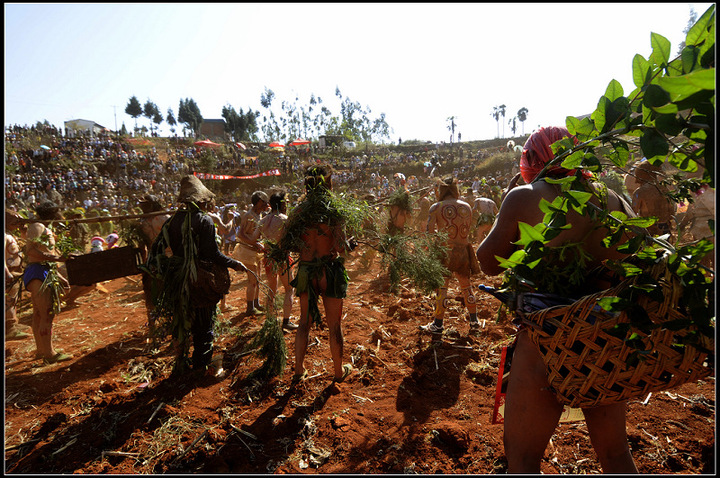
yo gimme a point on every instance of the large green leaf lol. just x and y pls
(660, 49)
(669, 124)
(573, 161)
(529, 234)
(599, 115)
(642, 70)
(655, 96)
(682, 87)
(614, 90)
(699, 31)
(654, 145)
(688, 56)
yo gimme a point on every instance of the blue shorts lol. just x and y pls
(35, 270)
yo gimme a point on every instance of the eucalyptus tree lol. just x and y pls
(189, 114)
(513, 124)
(157, 119)
(150, 109)
(170, 119)
(134, 109)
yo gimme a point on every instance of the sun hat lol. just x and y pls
(193, 190)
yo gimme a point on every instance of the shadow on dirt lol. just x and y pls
(112, 422)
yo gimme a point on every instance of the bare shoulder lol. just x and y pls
(35, 229)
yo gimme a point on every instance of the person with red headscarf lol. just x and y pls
(531, 410)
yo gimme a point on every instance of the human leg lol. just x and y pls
(77, 291)
(202, 332)
(333, 314)
(468, 297)
(272, 281)
(439, 313)
(12, 330)
(608, 435)
(42, 322)
(302, 334)
(251, 292)
(287, 301)
(531, 410)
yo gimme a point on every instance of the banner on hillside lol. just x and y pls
(272, 172)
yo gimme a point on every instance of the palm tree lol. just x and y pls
(501, 109)
(513, 124)
(522, 116)
(451, 127)
(496, 115)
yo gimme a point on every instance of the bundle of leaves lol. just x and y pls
(132, 234)
(320, 206)
(172, 277)
(66, 244)
(401, 199)
(670, 117)
(52, 280)
(271, 346)
(417, 257)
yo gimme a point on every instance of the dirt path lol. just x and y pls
(409, 406)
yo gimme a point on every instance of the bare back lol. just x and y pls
(320, 241)
(521, 205)
(452, 216)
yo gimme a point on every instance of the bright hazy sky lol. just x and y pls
(417, 63)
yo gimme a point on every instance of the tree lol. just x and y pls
(134, 109)
(451, 127)
(690, 23)
(522, 116)
(501, 109)
(513, 124)
(496, 115)
(170, 119)
(189, 114)
(157, 119)
(266, 98)
(240, 125)
(149, 111)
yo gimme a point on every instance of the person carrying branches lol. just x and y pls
(316, 231)
(180, 289)
(531, 410)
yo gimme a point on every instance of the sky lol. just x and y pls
(418, 63)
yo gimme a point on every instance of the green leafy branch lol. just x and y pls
(670, 118)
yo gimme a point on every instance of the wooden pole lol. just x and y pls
(90, 220)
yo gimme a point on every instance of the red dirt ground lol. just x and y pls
(409, 406)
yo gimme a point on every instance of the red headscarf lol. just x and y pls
(537, 153)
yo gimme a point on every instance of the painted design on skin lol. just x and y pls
(464, 230)
(464, 212)
(449, 213)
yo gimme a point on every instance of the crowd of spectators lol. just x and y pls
(110, 174)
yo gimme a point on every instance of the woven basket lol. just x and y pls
(587, 367)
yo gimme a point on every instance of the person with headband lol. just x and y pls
(531, 410)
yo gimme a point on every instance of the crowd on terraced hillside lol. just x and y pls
(109, 174)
